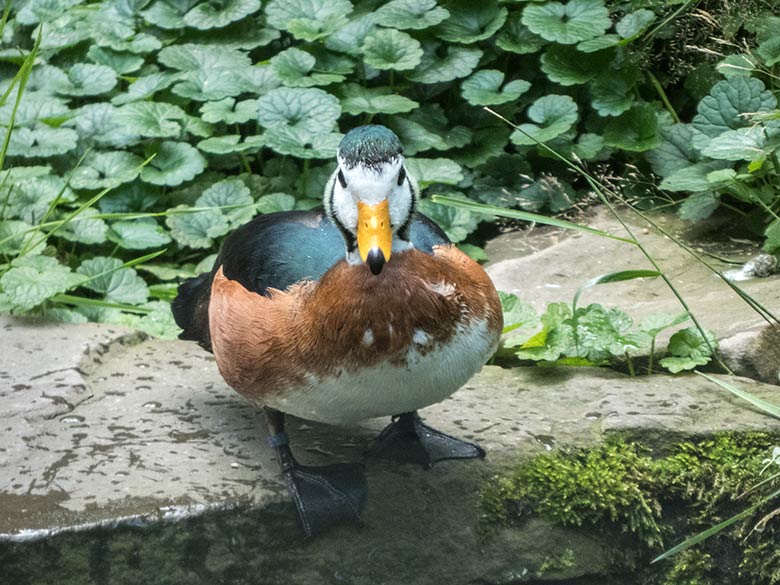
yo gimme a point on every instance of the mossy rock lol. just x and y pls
(620, 494)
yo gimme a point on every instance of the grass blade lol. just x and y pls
(619, 276)
(766, 406)
(715, 529)
(524, 215)
(82, 301)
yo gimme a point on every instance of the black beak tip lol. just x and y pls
(375, 260)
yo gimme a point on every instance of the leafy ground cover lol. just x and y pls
(140, 132)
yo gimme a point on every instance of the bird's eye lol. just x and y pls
(401, 176)
(342, 180)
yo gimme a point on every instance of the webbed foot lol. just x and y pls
(324, 496)
(410, 440)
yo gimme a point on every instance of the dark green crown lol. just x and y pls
(369, 146)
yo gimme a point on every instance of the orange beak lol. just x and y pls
(374, 234)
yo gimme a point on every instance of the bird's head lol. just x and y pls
(370, 197)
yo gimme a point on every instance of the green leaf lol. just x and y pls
(517, 313)
(515, 37)
(151, 119)
(391, 49)
(410, 14)
(693, 178)
(742, 144)
(457, 223)
(699, 206)
(31, 280)
(30, 198)
(16, 236)
(769, 51)
(675, 152)
(229, 192)
(197, 229)
(87, 79)
(434, 170)
(274, 202)
(308, 20)
(486, 144)
(231, 143)
(456, 62)
(484, 88)
(121, 62)
(688, 349)
(726, 105)
(228, 111)
(470, 22)
(613, 95)
(739, 65)
(311, 109)
(356, 99)
(568, 66)
(300, 142)
(101, 170)
(553, 115)
(168, 14)
(555, 338)
(84, 228)
(569, 23)
(635, 130)
(145, 87)
(294, 68)
(349, 38)
(138, 234)
(654, 324)
(174, 163)
(772, 233)
(765, 405)
(635, 23)
(546, 192)
(41, 142)
(194, 57)
(426, 128)
(116, 284)
(598, 44)
(206, 16)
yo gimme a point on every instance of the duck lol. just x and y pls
(360, 309)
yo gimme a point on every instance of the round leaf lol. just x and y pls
(298, 141)
(152, 119)
(411, 14)
(457, 62)
(174, 163)
(515, 37)
(229, 192)
(484, 88)
(228, 111)
(470, 22)
(362, 100)
(88, 79)
(311, 109)
(308, 20)
(569, 23)
(391, 49)
(206, 16)
(197, 229)
(553, 114)
(33, 279)
(117, 284)
(138, 234)
(101, 170)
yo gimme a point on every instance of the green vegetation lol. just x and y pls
(153, 126)
(593, 335)
(619, 489)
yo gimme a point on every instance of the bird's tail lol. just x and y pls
(191, 309)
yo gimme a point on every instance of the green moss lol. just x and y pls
(619, 487)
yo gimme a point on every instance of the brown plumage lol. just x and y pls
(270, 344)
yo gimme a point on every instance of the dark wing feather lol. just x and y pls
(276, 251)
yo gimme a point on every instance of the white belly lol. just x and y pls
(387, 389)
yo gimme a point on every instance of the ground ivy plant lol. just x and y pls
(139, 133)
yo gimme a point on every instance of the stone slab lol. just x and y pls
(146, 463)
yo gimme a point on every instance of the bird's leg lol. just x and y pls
(324, 496)
(407, 438)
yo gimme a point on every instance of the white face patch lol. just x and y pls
(372, 186)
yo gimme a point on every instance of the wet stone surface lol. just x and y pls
(124, 457)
